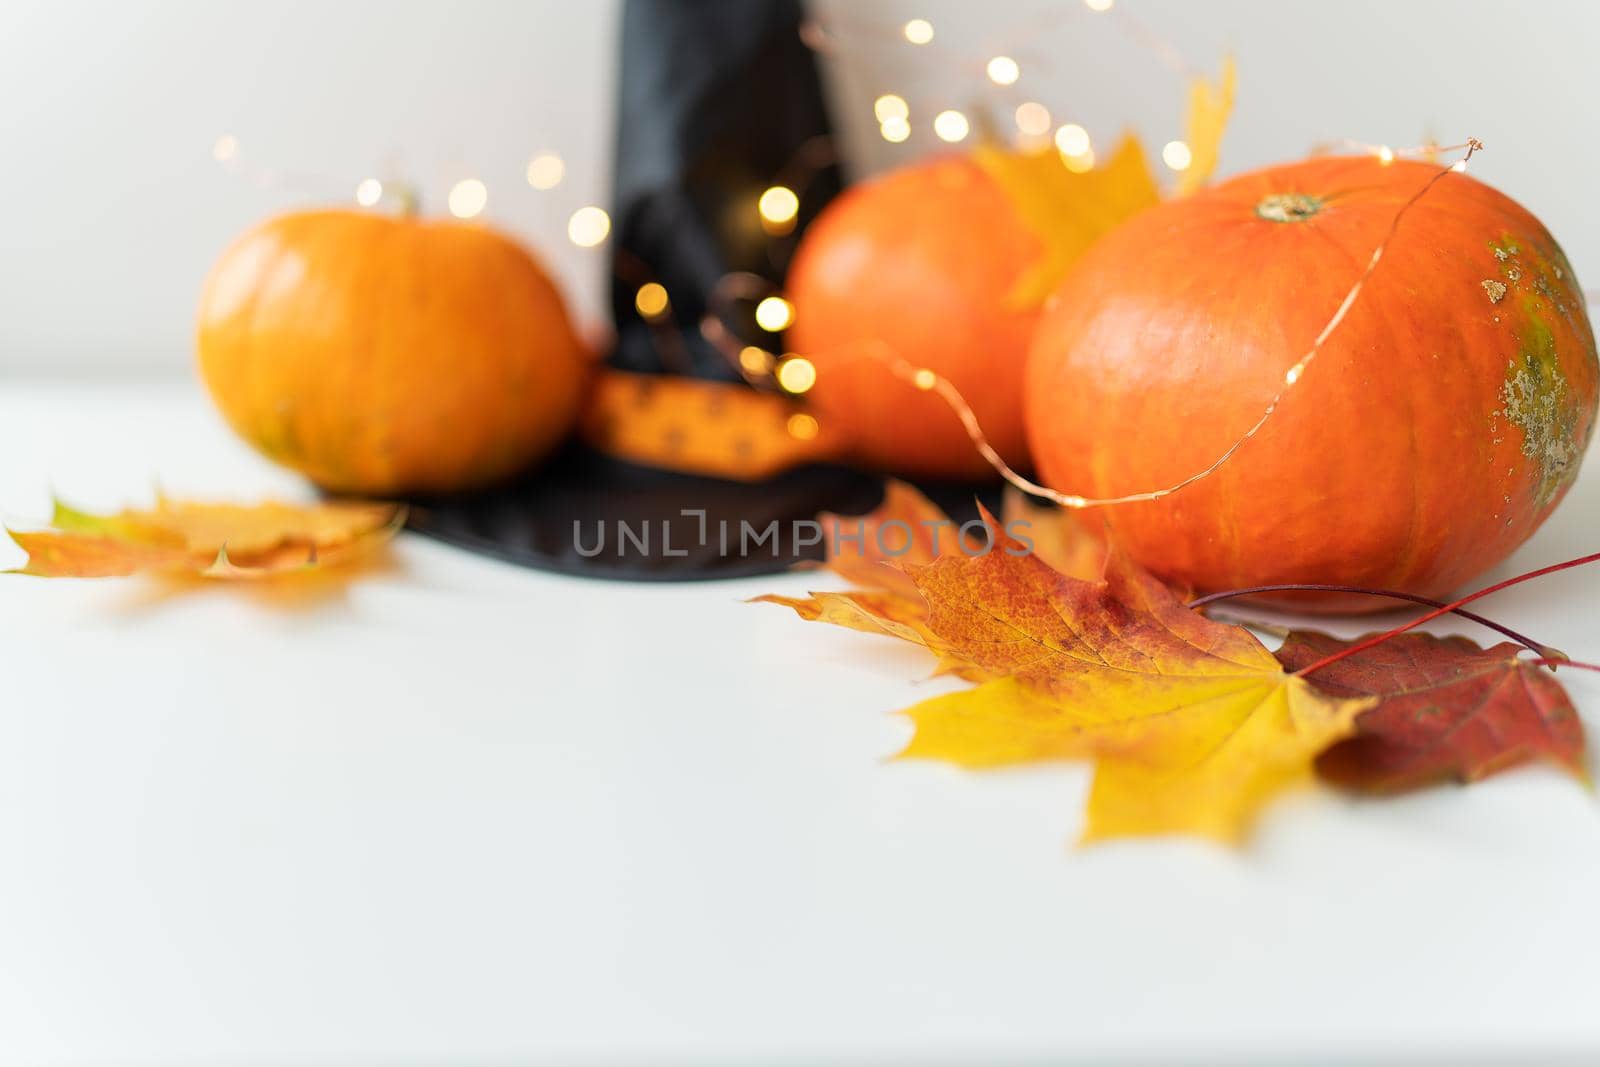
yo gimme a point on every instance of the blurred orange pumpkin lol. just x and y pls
(382, 355)
(917, 264)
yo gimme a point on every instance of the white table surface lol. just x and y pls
(467, 813)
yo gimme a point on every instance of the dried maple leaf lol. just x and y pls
(1199, 755)
(1446, 709)
(909, 530)
(1192, 723)
(1070, 208)
(207, 539)
(1210, 104)
(906, 527)
(1065, 209)
(1059, 536)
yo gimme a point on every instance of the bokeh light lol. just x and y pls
(651, 300)
(796, 374)
(1003, 70)
(889, 106)
(755, 360)
(1072, 140)
(468, 198)
(546, 170)
(778, 207)
(1033, 118)
(802, 427)
(774, 314)
(951, 126)
(588, 226)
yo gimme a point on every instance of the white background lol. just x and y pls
(111, 206)
(466, 813)
(462, 813)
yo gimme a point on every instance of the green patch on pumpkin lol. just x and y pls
(1537, 402)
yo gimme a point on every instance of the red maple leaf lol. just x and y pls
(1447, 709)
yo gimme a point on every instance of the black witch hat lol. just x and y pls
(717, 101)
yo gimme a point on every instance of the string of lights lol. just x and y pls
(777, 206)
(764, 365)
(1000, 69)
(589, 225)
(467, 198)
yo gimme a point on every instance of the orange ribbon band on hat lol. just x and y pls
(715, 429)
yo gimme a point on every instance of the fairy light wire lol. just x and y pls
(1428, 152)
(920, 376)
(929, 381)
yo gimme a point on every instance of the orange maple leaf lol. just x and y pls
(1068, 542)
(908, 530)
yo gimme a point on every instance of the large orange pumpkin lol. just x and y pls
(385, 355)
(917, 264)
(1442, 422)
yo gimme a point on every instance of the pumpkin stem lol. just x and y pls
(1288, 207)
(405, 195)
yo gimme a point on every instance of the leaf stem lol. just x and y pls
(1362, 646)
(1299, 587)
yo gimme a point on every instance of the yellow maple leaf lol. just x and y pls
(1198, 757)
(1210, 105)
(1191, 723)
(1067, 210)
(208, 539)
